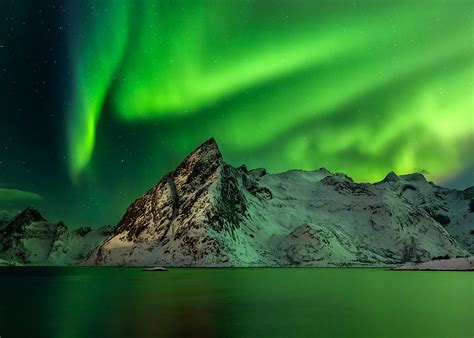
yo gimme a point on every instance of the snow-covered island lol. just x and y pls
(452, 264)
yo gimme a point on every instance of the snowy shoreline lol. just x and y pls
(453, 264)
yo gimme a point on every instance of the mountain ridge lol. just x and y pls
(209, 213)
(27, 238)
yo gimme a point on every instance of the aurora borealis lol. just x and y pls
(358, 87)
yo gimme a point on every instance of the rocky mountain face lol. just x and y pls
(451, 208)
(27, 238)
(208, 213)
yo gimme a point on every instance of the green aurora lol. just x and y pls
(101, 98)
(362, 88)
(18, 195)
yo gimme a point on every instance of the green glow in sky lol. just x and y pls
(13, 195)
(358, 87)
(99, 44)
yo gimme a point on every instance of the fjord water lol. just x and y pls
(286, 302)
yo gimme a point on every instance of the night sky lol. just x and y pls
(100, 98)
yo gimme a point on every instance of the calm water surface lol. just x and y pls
(126, 302)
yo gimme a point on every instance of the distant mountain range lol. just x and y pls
(209, 213)
(28, 239)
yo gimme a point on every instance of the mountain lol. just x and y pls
(28, 238)
(452, 208)
(209, 213)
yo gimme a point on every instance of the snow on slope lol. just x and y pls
(453, 264)
(451, 208)
(29, 239)
(208, 213)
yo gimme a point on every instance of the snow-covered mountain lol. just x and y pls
(451, 208)
(208, 213)
(27, 238)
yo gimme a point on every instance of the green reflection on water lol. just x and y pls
(123, 302)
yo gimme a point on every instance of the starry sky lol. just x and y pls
(100, 98)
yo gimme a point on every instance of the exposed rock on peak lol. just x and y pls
(30, 214)
(207, 152)
(414, 177)
(258, 172)
(391, 177)
(199, 165)
(244, 168)
(210, 143)
(24, 218)
(345, 185)
(83, 231)
(324, 170)
(469, 192)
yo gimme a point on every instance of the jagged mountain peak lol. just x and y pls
(324, 170)
(413, 177)
(198, 166)
(391, 177)
(207, 152)
(30, 214)
(24, 218)
(258, 172)
(209, 143)
(419, 177)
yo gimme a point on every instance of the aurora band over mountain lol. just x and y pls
(363, 88)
